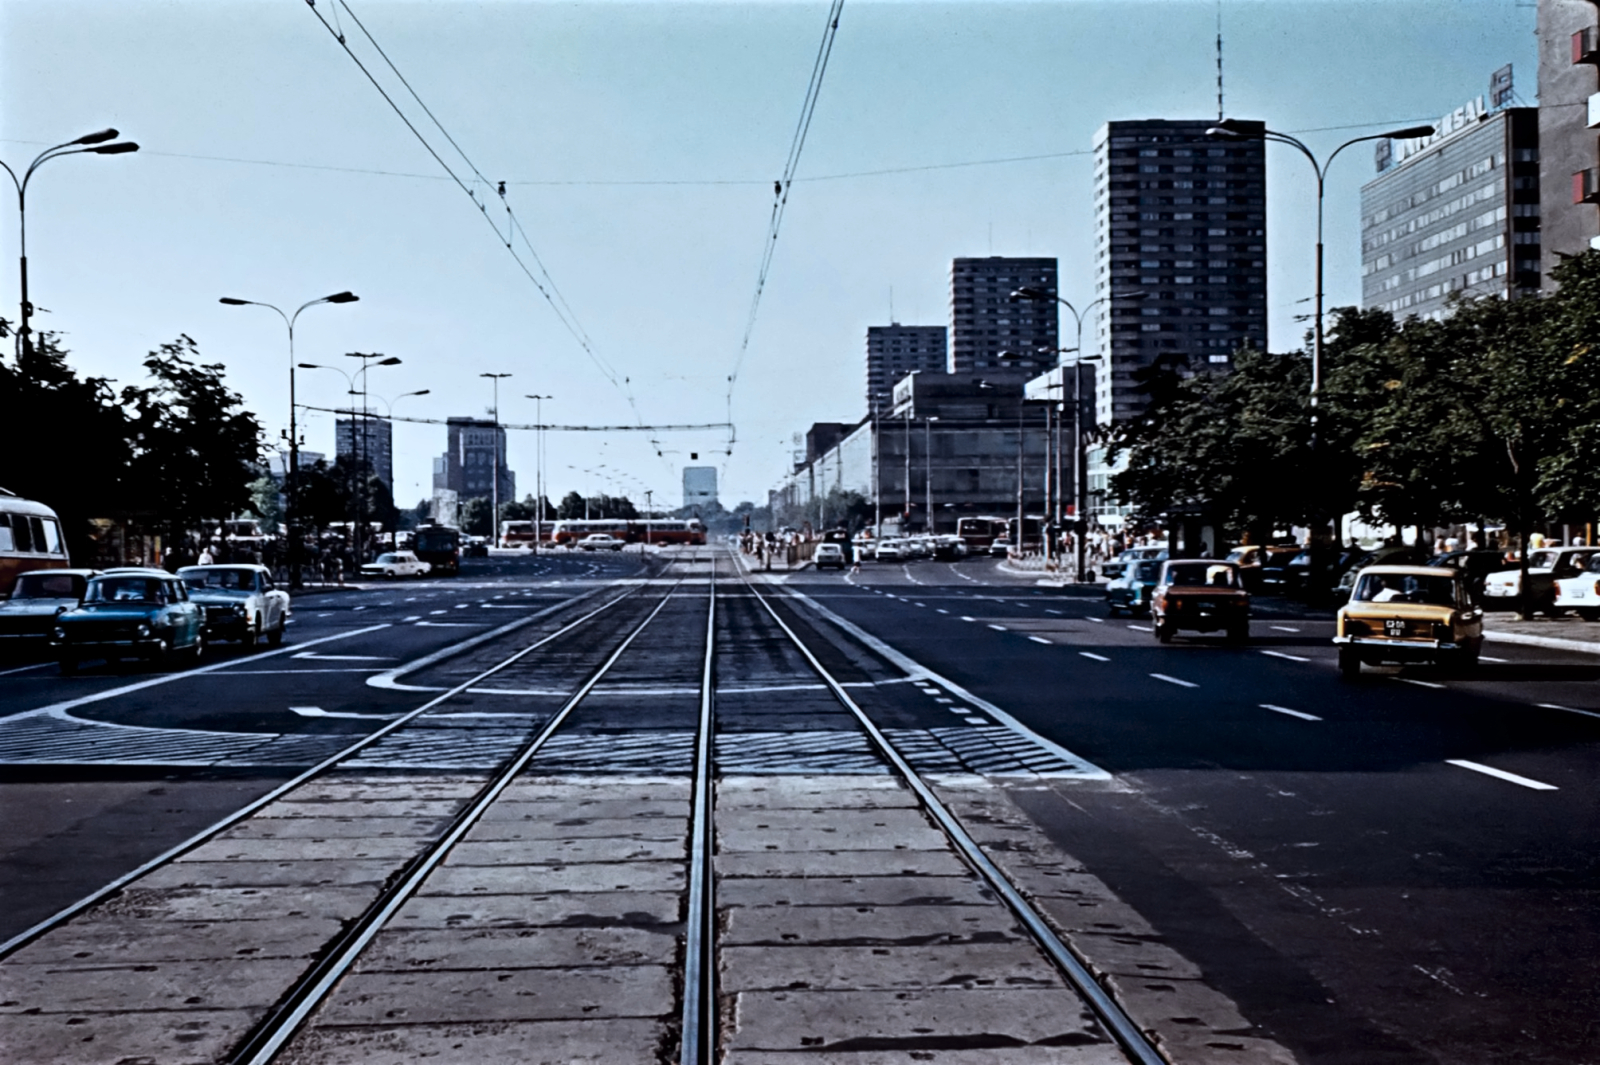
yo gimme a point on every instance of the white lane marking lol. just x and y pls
(941, 610)
(1097, 621)
(963, 576)
(975, 721)
(59, 710)
(1175, 680)
(412, 598)
(324, 615)
(24, 669)
(1284, 628)
(1282, 654)
(1097, 658)
(1568, 709)
(965, 618)
(301, 672)
(413, 617)
(1292, 713)
(317, 711)
(358, 608)
(999, 628)
(1141, 628)
(922, 604)
(436, 611)
(342, 658)
(1047, 610)
(1496, 661)
(450, 624)
(1084, 770)
(1041, 639)
(1418, 683)
(459, 606)
(909, 577)
(1489, 770)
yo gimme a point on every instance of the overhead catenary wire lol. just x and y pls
(780, 191)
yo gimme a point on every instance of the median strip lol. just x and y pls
(1489, 770)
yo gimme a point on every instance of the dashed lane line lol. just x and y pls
(965, 618)
(1097, 621)
(24, 669)
(1568, 709)
(1419, 683)
(941, 610)
(1097, 658)
(1489, 770)
(1302, 715)
(1284, 654)
(1175, 680)
(1141, 628)
(1041, 639)
(1284, 628)
(999, 628)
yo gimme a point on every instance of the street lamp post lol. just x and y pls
(291, 475)
(494, 492)
(363, 449)
(1079, 465)
(538, 468)
(1232, 129)
(927, 469)
(93, 143)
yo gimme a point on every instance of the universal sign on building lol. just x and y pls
(1392, 153)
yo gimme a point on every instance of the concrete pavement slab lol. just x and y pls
(363, 788)
(612, 1041)
(394, 849)
(820, 836)
(1114, 955)
(586, 909)
(236, 904)
(973, 965)
(855, 891)
(558, 828)
(808, 792)
(1023, 1055)
(146, 985)
(453, 996)
(434, 809)
(319, 827)
(186, 1037)
(839, 863)
(868, 925)
(590, 878)
(241, 873)
(570, 851)
(121, 941)
(523, 807)
(416, 950)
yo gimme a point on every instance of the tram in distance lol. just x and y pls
(654, 530)
(30, 539)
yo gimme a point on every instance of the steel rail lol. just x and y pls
(1122, 1027)
(263, 1043)
(698, 1041)
(60, 917)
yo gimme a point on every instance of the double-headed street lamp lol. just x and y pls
(1232, 129)
(494, 491)
(292, 473)
(1079, 466)
(92, 143)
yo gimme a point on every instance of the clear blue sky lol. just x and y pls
(261, 137)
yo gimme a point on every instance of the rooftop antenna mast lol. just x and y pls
(1219, 60)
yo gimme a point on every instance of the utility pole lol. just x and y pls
(538, 469)
(494, 492)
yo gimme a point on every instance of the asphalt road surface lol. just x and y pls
(1403, 869)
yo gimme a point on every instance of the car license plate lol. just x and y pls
(1394, 627)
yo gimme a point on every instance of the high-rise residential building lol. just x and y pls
(896, 350)
(1569, 116)
(369, 441)
(1454, 213)
(1181, 225)
(699, 485)
(467, 467)
(985, 321)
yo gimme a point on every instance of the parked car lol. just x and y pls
(1502, 590)
(1132, 591)
(395, 564)
(889, 549)
(1580, 594)
(130, 613)
(1382, 555)
(239, 602)
(1117, 566)
(1275, 559)
(1405, 614)
(1207, 595)
(916, 547)
(1297, 572)
(1476, 563)
(1248, 558)
(601, 542)
(28, 615)
(828, 555)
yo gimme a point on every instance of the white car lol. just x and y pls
(1546, 565)
(238, 602)
(395, 564)
(890, 550)
(1580, 594)
(828, 555)
(601, 542)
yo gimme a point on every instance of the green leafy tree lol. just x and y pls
(195, 448)
(572, 506)
(475, 516)
(266, 500)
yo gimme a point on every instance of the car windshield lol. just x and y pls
(47, 585)
(126, 590)
(1541, 559)
(388, 558)
(1214, 575)
(1146, 571)
(1406, 588)
(230, 579)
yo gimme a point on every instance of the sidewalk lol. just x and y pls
(1557, 634)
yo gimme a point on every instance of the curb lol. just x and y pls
(1553, 643)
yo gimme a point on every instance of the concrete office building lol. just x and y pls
(467, 467)
(1453, 214)
(984, 321)
(699, 486)
(1182, 218)
(1569, 125)
(369, 440)
(896, 350)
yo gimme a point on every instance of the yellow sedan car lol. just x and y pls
(1404, 614)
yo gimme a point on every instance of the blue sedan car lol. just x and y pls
(1133, 589)
(130, 613)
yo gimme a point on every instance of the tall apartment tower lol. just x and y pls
(1454, 213)
(896, 350)
(1181, 226)
(984, 321)
(476, 447)
(1569, 116)
(368, 440)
